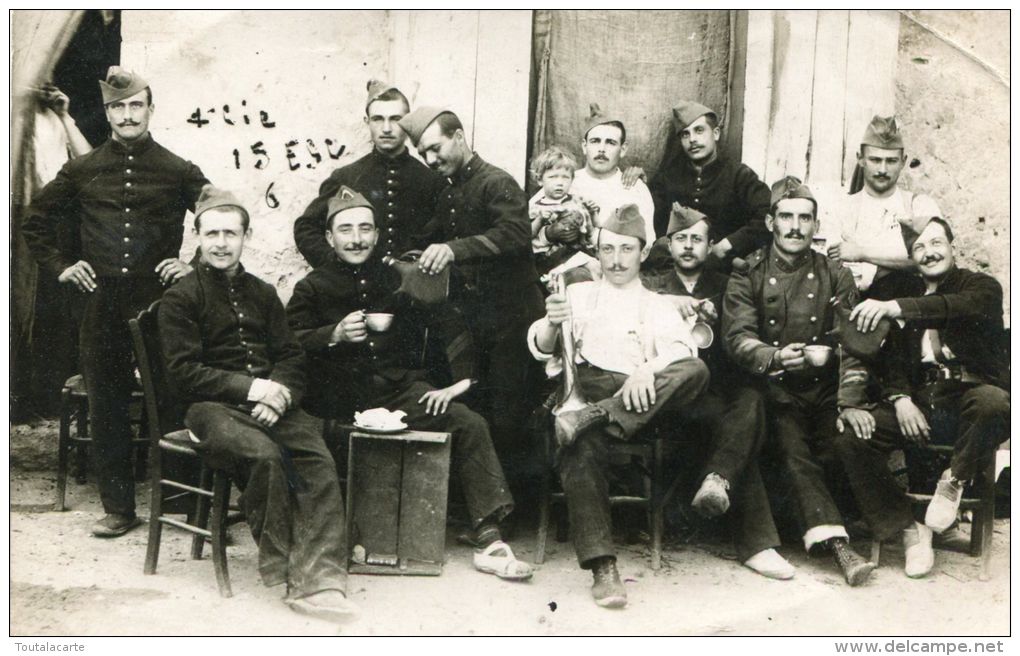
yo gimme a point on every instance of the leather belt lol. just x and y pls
(937, 373)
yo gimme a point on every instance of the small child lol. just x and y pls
(561, 224)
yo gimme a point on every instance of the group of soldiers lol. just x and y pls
(705, 243)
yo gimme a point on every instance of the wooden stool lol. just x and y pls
(397, 486)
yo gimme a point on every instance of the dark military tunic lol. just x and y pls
(218, 335)
(728, 192)
(774, 304)
(386, 370)
(729, 420)
(402, 190)
(127, 202)
(483, 217)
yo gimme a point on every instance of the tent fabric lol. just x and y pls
(635, 64)
(38, 38)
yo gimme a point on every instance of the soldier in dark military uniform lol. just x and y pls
(483, 232)
(353, 367)
(695, 174)
(944, 375)
(773, 314)
(731, 414)
(127, 198)
(404, 190)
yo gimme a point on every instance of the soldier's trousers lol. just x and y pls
(583, 465)
(107, 363)
(509, 378)
(815, 455)
(729, 425)
(290, 492)
(472, 458)
(972, 418)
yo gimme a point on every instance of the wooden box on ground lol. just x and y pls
(396, 502)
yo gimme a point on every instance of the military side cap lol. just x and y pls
(911, 228)
(791, 187)
(627, 221)
(882, 133)
(415, 123)
(345, 199)
(597, 117)
(862, 345)
(681, 218)
(120, 84)
(211, 197)
(688, 112)
(377, 88)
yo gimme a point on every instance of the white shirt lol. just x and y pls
(874, 224)
(609, 194)
(620, 329)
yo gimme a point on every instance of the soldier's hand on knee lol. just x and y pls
(277, 397)
(265, 415)
(860, 422)
(638, 391)
(912, 421)
(81, 275)
(438, 401)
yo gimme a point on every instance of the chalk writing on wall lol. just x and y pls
(260, 155)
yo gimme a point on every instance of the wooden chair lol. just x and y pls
(74, 435)
(981, 504)
(167, 437)
(650, 455)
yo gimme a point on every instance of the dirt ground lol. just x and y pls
(65, 582)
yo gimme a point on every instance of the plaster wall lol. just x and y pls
(268, 103)
(954, 111)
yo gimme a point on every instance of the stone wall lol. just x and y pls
(954, 112)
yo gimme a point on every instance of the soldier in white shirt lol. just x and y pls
(871, 246)
(601, 181)
(636, 360)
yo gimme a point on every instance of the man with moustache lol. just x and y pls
(601, 182)
(483, 231)
(353, 367)
(231, 357)
(127, 198)
(772, 313)
(870, 217)
(731, 414)
(636, 363)
(404, 190)
(944, 379)
(697, 175)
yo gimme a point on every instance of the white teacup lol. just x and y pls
(817, 354)
(378, 321)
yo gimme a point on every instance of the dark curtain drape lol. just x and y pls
(635, 64)
(38, 38)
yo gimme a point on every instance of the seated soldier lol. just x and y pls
(351, 367)
(731, 414)
(776, 316)
(943, 379)
(231, 356)
(636, 361)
